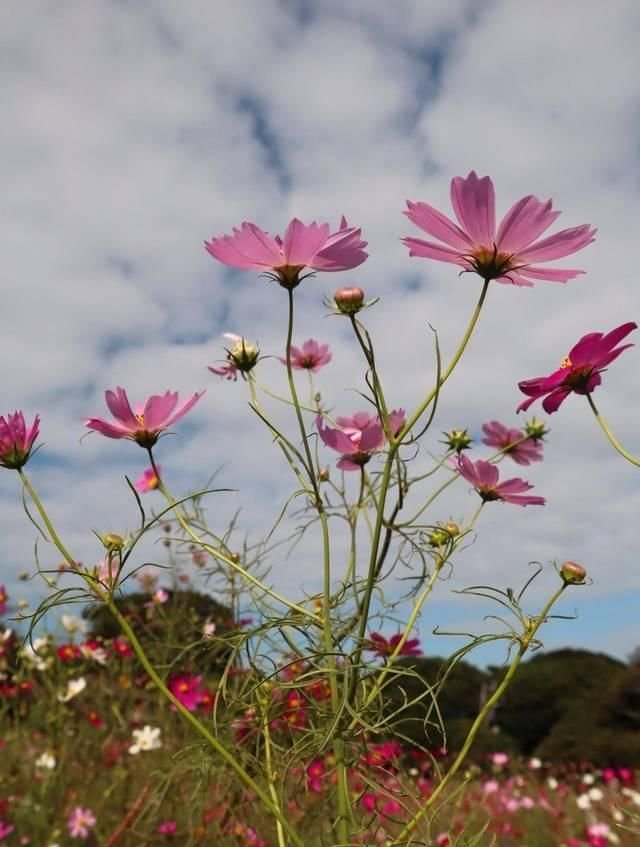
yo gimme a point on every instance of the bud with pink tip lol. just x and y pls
(572, 573)
(349, 300)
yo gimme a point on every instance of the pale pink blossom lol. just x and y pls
(310, 246)
(358, 437)
(485, 479)
(147, 422)
(514, 443)
(513, 253)
(80, 821)
(311, 356)
(16, 439)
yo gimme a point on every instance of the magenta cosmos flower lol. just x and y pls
(80, 821)
(310, 357)
(579, 372)
(148, 481)
(358, 437)
(145, 425)
(312, 246)
(506, 439)
(510, 255)
(484, 477)
(386, 646)
(16, 441)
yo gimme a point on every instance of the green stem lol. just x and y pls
(525, 640)
(45, 518)
(221, 556)
(612, 439)
(450, 368)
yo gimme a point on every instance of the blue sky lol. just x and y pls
(137, 130)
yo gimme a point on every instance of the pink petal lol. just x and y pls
(550, 274)
(335, 438)
(249, 247)
(345, 464)
(473, 201)
(372, 438)
(182, 410)
(157, 409)
(486, 473)
(111, 430)
(434, 223)
(513, 486)
(301, 243)
(119, 406)
(429, 250)
(560, 244)
(553, 401)
(524, 500)
(525, 221)
(514, 278)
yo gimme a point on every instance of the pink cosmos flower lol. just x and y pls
(510, 255)
(579, 372)
(145, 425)
(80, 821)
(187, 690)
(148, 481)
(16, 440)
(358, 437)
(311, 357)
(505, 439)
(385, 646)
(167, 828)
(312, 246)
(484, 477)
(5, 830)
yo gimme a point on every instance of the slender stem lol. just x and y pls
(525, 640)
(377, 386)
(612, 439)
(450, 367)
(219, 554)
(45, 518)
(271, 775)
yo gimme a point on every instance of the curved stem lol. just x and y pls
(525, 640)
(610, 436)
(450, 367)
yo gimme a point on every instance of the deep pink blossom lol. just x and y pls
(311, 357)
(385, 646)
(147, 422)
(312, 246)
(187, 690)
(167, 828)
(80, 821)
(506, 439)
(5, 830)
(579, 372)
(358, 437)
(484, 477)
(148, 481)
(16, 440)
(510, 255)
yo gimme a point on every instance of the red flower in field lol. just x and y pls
(295, 713)
(503, 438)
(315, 774)
(68, 653)
(510, 255)
(147, 422)
(122, 647)
(386, 646)
(95, 720)
(484, 477)
(311, 357)
(312, 246)
(579, 372)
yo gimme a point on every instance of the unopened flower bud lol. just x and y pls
(535, 429)
(458, 440)
(572, 573)
(438, 537)
(113, 541)
(243, 355)
(323, 474)
(452, 528)
(349, 300)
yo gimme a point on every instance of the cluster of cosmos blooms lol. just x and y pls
(511, 252)
(581, 805)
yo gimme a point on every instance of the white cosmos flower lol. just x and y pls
(583, 802)
(147, 738)
(46, 762)
(73, 624)
(35, 654)
(74, 687)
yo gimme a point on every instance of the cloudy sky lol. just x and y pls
(135, 130)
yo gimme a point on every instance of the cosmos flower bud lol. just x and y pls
(243, 354)
(458, 440)
(113, 541)
(349, 300)
(442, 535)
(323, 475)
(536, 429)
(572, 573)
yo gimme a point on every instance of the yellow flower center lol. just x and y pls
(566, 363)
